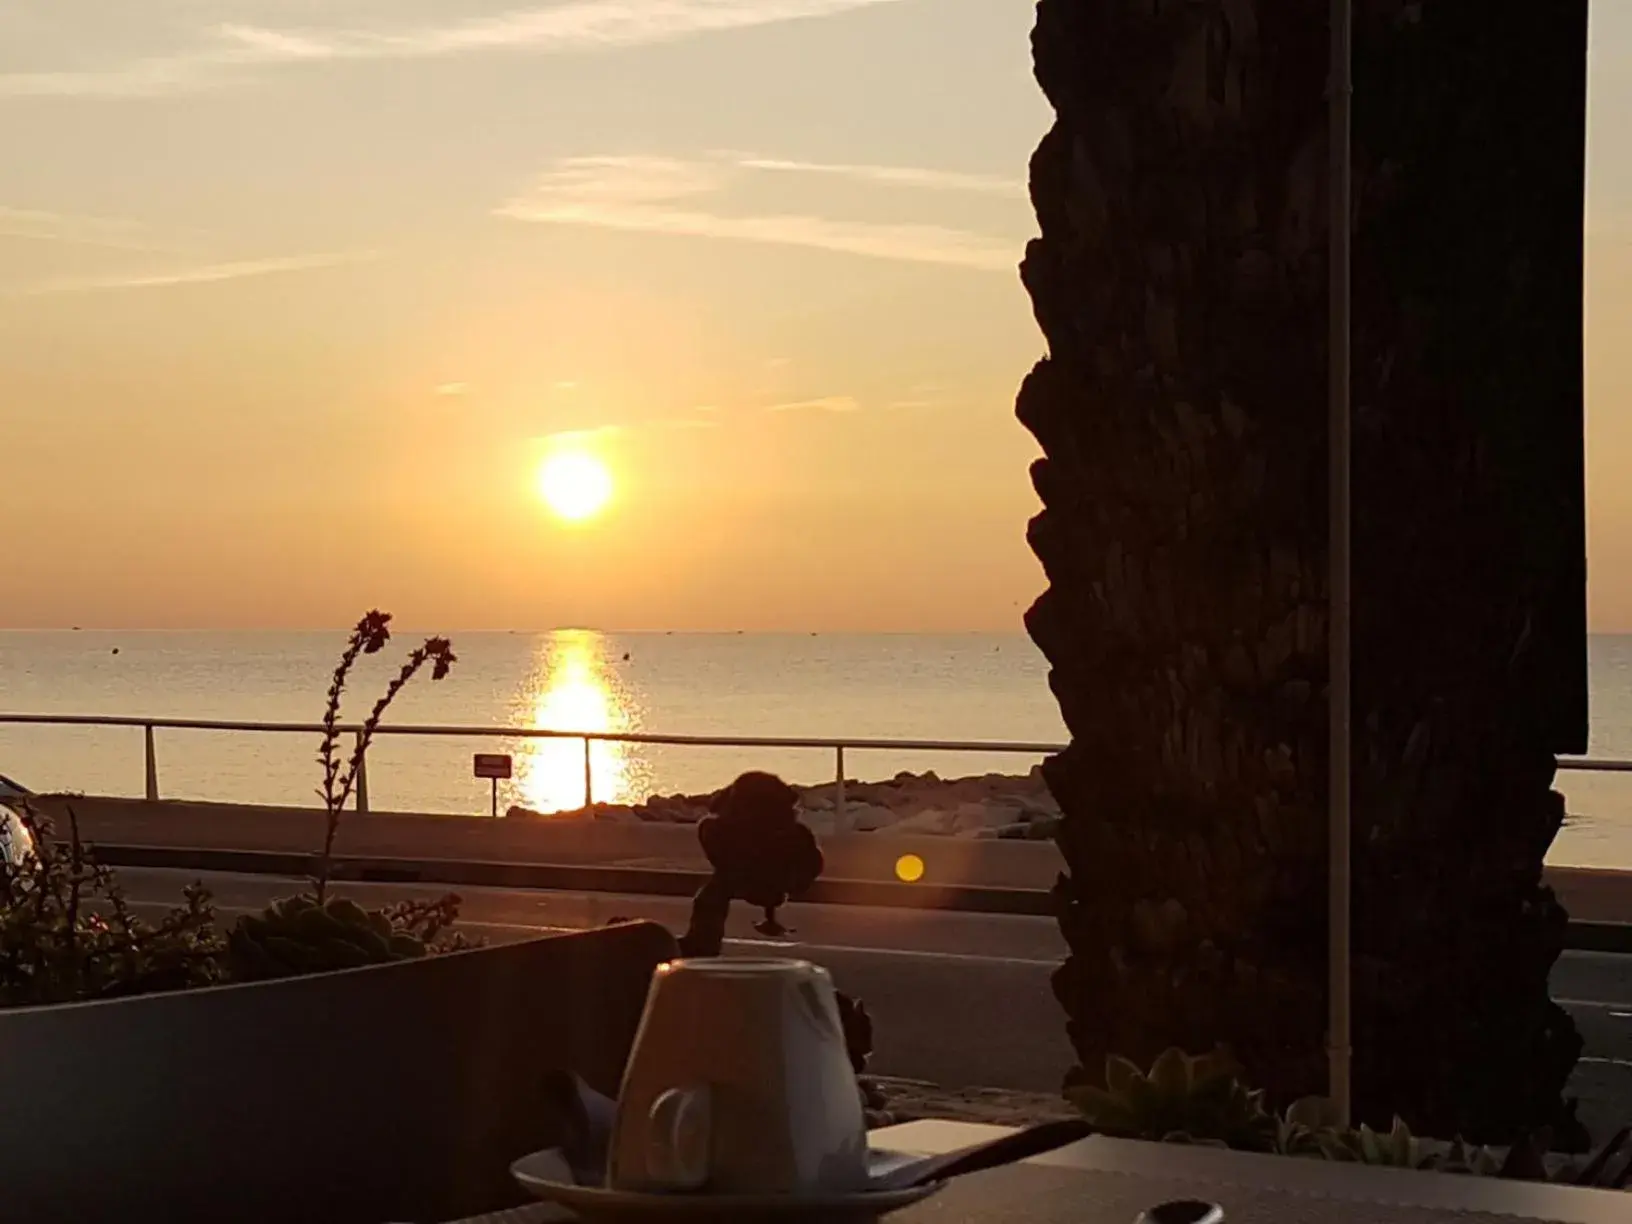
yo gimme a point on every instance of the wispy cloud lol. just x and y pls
(891, 176)
(575, 25)
(661, 195)
(200, 274)
(590, 438)
(581, 437)
(922, 395)
(114, 233)
(828, 403)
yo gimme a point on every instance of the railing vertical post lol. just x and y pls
(838, 790)
(589, 773)
(152, 764)
(362, 777)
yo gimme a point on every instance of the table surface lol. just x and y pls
(1109, 1181)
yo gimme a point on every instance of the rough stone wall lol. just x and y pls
(1180, 282)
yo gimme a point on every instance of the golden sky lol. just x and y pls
(297, 295)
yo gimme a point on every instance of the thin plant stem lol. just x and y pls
(369, 636)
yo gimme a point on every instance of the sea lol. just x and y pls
(967, 687)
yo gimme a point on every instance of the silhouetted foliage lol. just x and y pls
(763, 855)
(1204, 1100)
(312, 932)
(67, 932)
(368, 636)
(758, 849)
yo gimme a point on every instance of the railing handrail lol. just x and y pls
(1586, 764)
(884, 744)
(621, 737)
(588, 738)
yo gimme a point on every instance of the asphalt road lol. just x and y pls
(957, 999)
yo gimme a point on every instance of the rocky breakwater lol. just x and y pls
(985, 806)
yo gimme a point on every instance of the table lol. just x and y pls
(1109, 1181)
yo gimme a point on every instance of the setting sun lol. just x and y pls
(575, 486)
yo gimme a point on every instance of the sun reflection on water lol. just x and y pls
(574, 686)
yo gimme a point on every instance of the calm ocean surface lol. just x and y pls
(964, 687)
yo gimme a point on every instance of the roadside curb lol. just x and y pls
(1612, 937)
(560, 877)
(1599, 937)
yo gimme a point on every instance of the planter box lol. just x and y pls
(394, 1092)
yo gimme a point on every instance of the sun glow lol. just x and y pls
(575, 687)
(575, 485)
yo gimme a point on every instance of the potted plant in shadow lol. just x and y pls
(1203, 1100)
(761, 853)
(319, 1060)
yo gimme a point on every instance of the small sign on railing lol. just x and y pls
(496, 766)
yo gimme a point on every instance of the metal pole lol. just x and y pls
(495, 810)
(838, 790)
(152, 766)
(362, 777)
(1340, 714)
(589, 774)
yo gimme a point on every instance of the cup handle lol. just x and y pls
(679, 1137)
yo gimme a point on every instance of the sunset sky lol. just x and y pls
(297, 296)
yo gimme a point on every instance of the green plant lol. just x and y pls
(1183, 1099)
(300, 935)
(1397, 1148)
(1473, 1159)
(1298, 1131)
(68, 933)
(313, 932)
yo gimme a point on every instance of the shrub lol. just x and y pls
(313, 932)
(68, 933)
(1186, 1099)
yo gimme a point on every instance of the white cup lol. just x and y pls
(739, 1084)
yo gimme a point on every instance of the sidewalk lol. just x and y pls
(1590, 894)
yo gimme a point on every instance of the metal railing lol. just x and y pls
(589, 739)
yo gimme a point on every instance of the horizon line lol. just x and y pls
(405, 628)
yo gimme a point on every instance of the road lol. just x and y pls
(956, 998)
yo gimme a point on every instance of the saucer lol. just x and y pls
(546, 1175)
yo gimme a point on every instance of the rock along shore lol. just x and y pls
(1007, 806)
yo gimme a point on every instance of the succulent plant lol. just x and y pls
(300, 935)
(1182, 1099)
(1299, 1129)
(1472, 1159)
(1396, 1148)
